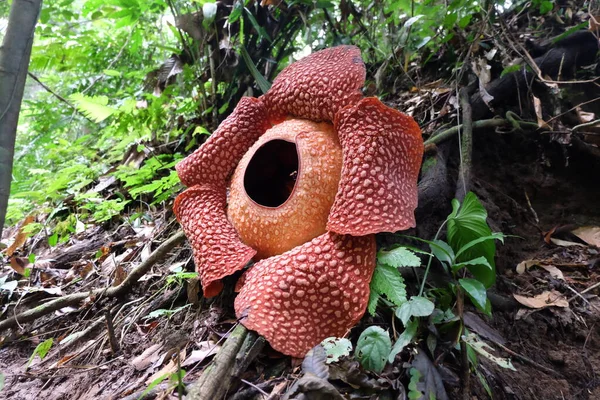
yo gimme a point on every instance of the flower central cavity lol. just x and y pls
(271, 174)
(283, 188)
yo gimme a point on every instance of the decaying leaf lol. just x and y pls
(335, 348)
(537, 106)
(205, 350)
(168, 369)
(21, 236)
(147, 358)
(550, 298)
(589, 234)
(430, 383)
(482, 349)
(553, 270)
(483, 72)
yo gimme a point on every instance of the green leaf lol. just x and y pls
(510, 69)
(417, 306)
(477, 261)
(493, 236)
(53, 240)
(398, 257)
(373, 348)
(95, 108)
(373, 300)
(335, 348)
(443, 252)
(476, 291)
(263, 84)
(261, 31)
(466, 223)
(407, 336)
(413, 390)
(41, 350)
(388, 281)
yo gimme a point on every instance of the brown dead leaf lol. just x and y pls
(193, 290)
(564, 243)
(551, 298)
(552, 269)
(537, 106)
(205, 349)
(589, 234)
(19, 264)
(21, 236)
(120, 275)
(167, 369)
(147, 358)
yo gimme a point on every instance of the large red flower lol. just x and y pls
(299, 180)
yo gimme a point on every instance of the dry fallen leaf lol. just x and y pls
(537, 106)
(205, 349)
(551, 298)
(21, 236)
(147, 358)
(167, 369)
(565, 243)
(589, 234)
(553, 270)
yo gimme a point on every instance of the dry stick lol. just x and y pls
(464, 173)
(114, 343)
(119, 290)
(216, 378)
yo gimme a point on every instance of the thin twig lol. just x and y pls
(52, 92)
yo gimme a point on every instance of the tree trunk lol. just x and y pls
(14, 61)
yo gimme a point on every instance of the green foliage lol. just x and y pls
(373, 348)
(417, 306)
(386, 280)
(41, 350)
(413, 390)
(468, 223)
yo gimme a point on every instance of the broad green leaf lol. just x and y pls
(373, 348)
(447, 251)
(443, 252)
(476, 291)
(497, 235)
(388, 281)
(95, 108)
(41, 350)
(53, 239)
(417, 306)
(477, 261)
(336, 348)
(398, 257)
(466, 223)
(410, 332)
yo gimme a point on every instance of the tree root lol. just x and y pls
(74, 299)
(216, 378)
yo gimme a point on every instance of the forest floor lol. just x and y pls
(541, 187)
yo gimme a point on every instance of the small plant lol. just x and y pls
(467, 255)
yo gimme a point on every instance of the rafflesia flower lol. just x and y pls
(299, 180)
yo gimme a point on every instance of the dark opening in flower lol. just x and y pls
(271, 174)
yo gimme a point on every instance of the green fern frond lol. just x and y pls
(95, 108)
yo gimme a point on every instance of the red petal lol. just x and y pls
(314, 291)
(216, 159)
(317, 86)
(218, 251)
(382, 151)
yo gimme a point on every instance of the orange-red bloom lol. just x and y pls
(313, 171)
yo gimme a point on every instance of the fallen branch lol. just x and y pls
(216, 378)
(74, 299)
